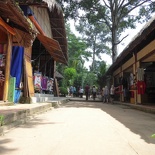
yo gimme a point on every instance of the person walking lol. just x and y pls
(87, 91)
(106, 94)
(94, 92)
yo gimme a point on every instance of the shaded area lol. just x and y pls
(37, 122)
(6, 149)
(30, 124)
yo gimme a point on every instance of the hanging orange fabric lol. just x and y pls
(7, 27)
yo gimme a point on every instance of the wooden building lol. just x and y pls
(32, 39)
(134, 70)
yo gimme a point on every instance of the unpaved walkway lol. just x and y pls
(83, 128)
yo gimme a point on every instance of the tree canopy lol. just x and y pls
(117, 15)
(76, 73)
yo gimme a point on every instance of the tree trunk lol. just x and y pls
(114, 46)
(114, 38)
(114, 30)
(94, 52)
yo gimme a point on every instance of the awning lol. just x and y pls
(53, 47)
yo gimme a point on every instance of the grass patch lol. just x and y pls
(1, 120)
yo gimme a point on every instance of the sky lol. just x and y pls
(131, 33)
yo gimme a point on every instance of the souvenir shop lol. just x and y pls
(133, 71)
(15, 75)
(28, 54)
(131, 85)
(42, 72)
(149, 83)
(43, 69)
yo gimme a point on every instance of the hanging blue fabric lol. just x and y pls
(16, 68)
(27, 10)
(17, 63)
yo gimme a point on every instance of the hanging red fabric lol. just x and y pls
(141, 86)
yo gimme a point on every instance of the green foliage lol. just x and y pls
(69, 74)
(1, 120)
(76, 49)
(77, 52)
(90, 79)
(95, 35)
(63, 91)
(116, 15)
(76, 55)
(153, 136)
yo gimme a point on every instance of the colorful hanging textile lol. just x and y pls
(141, 87)
(17, 63)
(37, 81)
(11, 93)
(44, 83)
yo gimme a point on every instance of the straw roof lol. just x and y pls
(52, 3)
(139, 40)
(49, 3)
(56, 21)
(13, 15)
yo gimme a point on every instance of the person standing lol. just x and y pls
(94, 92)
(71, 91)
(112, 91)
(81, 92)
(87, 91)
(106, 94)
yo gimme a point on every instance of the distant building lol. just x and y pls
(134, 69)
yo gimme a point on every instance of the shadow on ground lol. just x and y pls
(5, 150)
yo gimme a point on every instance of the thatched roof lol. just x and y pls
(48, 3)
(52, 3)
(138, 41)
(58, 30)
(56, 21)
(13, 15)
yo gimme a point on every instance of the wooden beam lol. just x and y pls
(7, 27)
(7, 67)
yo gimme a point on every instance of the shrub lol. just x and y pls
(63, 91)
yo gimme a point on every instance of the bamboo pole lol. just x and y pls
(7, 67)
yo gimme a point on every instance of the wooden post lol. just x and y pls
(28, 83)
(54, 69)
(55, 80)
(56, 87)
(7, 67)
